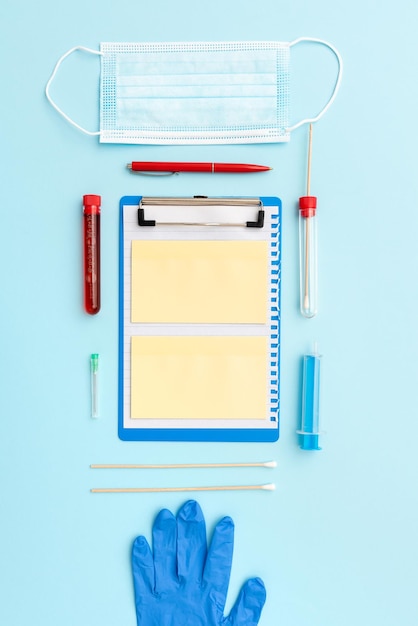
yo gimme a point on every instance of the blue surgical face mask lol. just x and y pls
(195, 93)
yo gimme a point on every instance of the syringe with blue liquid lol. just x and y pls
(309, 426)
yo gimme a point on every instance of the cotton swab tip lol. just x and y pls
(269, 487)
(270, 464)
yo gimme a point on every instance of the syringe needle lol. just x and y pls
(94, 369)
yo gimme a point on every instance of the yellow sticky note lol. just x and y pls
(199, 282)
(199, 377)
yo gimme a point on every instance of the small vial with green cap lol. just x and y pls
(94, 374)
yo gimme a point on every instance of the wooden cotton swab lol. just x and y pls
(268, 487)
(308, 175)
(180, 465)
(306, 303)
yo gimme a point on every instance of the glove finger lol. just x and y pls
(219, 560)
(164, 541)
(142, 567)
(191, 542)
(250, 602)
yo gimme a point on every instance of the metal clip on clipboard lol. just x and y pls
(202, 201)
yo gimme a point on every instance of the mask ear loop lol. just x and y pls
(48, 85)
(337, 82)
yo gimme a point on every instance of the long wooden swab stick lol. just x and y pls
(307, 235)
(267, 487)
(308, 177)
(179, 465)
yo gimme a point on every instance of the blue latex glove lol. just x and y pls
(183, 583)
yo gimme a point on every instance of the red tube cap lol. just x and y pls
(307, 206)
(92, 200)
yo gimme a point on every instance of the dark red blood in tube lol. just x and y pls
(91, 243)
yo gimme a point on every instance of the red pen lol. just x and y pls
(91, 242)
(181, 166)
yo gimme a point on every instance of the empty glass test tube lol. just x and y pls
(309, 425)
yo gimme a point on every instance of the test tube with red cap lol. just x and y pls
(91, 243)
(308, 247)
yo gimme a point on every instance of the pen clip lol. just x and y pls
(151, 173)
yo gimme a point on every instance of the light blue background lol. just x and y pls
(336, 542)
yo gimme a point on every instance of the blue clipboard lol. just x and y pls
(190, 220)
